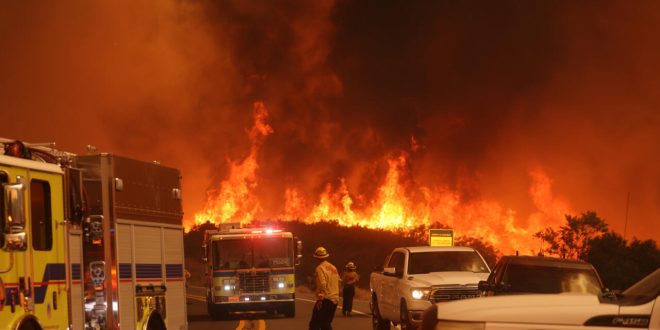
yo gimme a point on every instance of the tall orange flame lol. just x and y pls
(393, 209)
(234, 200)
(397, 205)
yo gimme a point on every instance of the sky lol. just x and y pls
(479, 95)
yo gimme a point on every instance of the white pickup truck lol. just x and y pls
(413, 278)
(637, 307)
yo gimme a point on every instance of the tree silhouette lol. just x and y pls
(586, 237)
(572, 240)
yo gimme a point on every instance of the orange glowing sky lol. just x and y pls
(488, 117)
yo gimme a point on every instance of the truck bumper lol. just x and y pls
(416, 310)
(256, 306)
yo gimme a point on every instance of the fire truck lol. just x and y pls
(89, 241)
(250, 269)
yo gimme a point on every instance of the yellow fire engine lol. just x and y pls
(250, 269)
(89, 241)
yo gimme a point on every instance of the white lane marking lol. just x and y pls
(314, 301)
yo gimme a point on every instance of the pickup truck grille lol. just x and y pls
(454, 292)
(253, 282)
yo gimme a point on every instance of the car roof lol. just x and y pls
(546, 261)
(414, 249)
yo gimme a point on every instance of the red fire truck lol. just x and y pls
(89, 241)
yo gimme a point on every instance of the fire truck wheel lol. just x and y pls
(29, 324)
(156, 322)
(290, 309)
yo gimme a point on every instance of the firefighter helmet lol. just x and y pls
(351, 266)
(321, 253)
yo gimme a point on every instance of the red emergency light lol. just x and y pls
(267, 231)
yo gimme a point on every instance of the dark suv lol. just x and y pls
(529, 274)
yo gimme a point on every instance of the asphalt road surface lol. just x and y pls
(198, 319)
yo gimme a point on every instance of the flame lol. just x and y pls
(399, 203)
(234, 201)
(394, 209)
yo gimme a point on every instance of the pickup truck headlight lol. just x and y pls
(457, 325)
(420, 293)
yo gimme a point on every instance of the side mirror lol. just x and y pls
(299, 256)
(483, 286)
(390, 271)
(607, 292)
(501, 287)
(14, 231)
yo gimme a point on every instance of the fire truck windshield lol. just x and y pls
(264, 252)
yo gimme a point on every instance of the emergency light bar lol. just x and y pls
(255, 231)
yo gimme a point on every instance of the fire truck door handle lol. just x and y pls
(12, 301)
(28, 290)
(54, 300)
(24, 286)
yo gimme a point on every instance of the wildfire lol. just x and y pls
(234, 200)
(399, 203)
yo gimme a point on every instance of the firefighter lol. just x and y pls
(326, 278)
(350, 279)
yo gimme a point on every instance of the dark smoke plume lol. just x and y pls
(489, 91)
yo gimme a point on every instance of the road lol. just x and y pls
(198, 319)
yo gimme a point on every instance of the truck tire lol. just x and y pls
(156, 322)
(29, 324)
(403, 316)
(377, 322)
(290, 309)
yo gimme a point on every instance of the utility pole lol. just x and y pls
(625, 227)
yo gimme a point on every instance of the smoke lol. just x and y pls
(489, 91)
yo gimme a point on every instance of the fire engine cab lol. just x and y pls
(89, 241)
(250, 269)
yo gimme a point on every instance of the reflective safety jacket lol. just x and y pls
(327, 282)
(350, 278)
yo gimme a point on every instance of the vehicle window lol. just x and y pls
(4, 178)
(396, 260)
(232, 254)
(643, 291)
(272, 252)
(500, 274)
(493, 275)
(545, 279)
(76, 207)
(446, 261)
(40, 211)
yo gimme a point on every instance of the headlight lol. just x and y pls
(420, 293)
(278, 282)
(457, 325)
(228, 285)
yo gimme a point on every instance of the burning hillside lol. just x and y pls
(399, 203)
(494, 118)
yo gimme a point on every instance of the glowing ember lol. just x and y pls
(398, 204)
